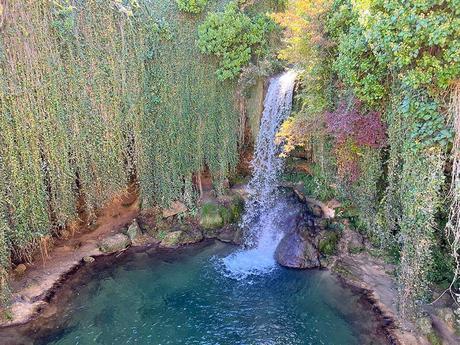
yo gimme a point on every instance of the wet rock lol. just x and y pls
(176, 208)
(133, 230)
(229, 234)
(20, 269)
(296, 251)
(88, 259)
(114, 243)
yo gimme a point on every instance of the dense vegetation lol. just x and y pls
(95, 95)
(379, 96)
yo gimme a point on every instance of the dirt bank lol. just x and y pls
(32, 289)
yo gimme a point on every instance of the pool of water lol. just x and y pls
(182, 297)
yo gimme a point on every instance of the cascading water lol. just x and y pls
(263, 206)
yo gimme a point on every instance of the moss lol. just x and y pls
(328, 245)
(7, 315)
(237, 209)
(213, 216)
(434, 339)
(210, 217)
(226, 214)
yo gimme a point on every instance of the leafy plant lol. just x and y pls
(234, 38)
(192, 6)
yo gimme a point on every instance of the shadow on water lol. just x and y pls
(158, 296)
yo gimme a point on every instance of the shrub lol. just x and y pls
(233, 37)
(191, 6)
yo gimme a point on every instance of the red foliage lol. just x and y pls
(348, 123)
(353, 130)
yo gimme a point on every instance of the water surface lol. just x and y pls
(183, 297)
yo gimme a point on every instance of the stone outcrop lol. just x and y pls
(296, 251)
(114, 243)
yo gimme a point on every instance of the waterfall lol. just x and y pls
(263, 206)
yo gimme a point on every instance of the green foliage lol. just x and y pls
(328, 245)
(234, 37)
(214, 216)
(398, 58)
(421, 38)
(355, 64)
(421, 182)
(97, 94)
(192, 6)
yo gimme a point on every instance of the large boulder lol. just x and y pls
(297, 251)
(114, 243)
(191, 235)
(148, 221)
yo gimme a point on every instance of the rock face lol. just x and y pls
(114, 243)
(297, 251)
(230, 234)
(306, 229)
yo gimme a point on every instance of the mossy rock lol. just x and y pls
(328, 244)
(226, 214)
(114, 243)
(181, 237)
(172, 239)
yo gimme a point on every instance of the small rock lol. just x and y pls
(133, 230)
(20, 269)
(114, 243)
(88, 259)
(176, 208)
